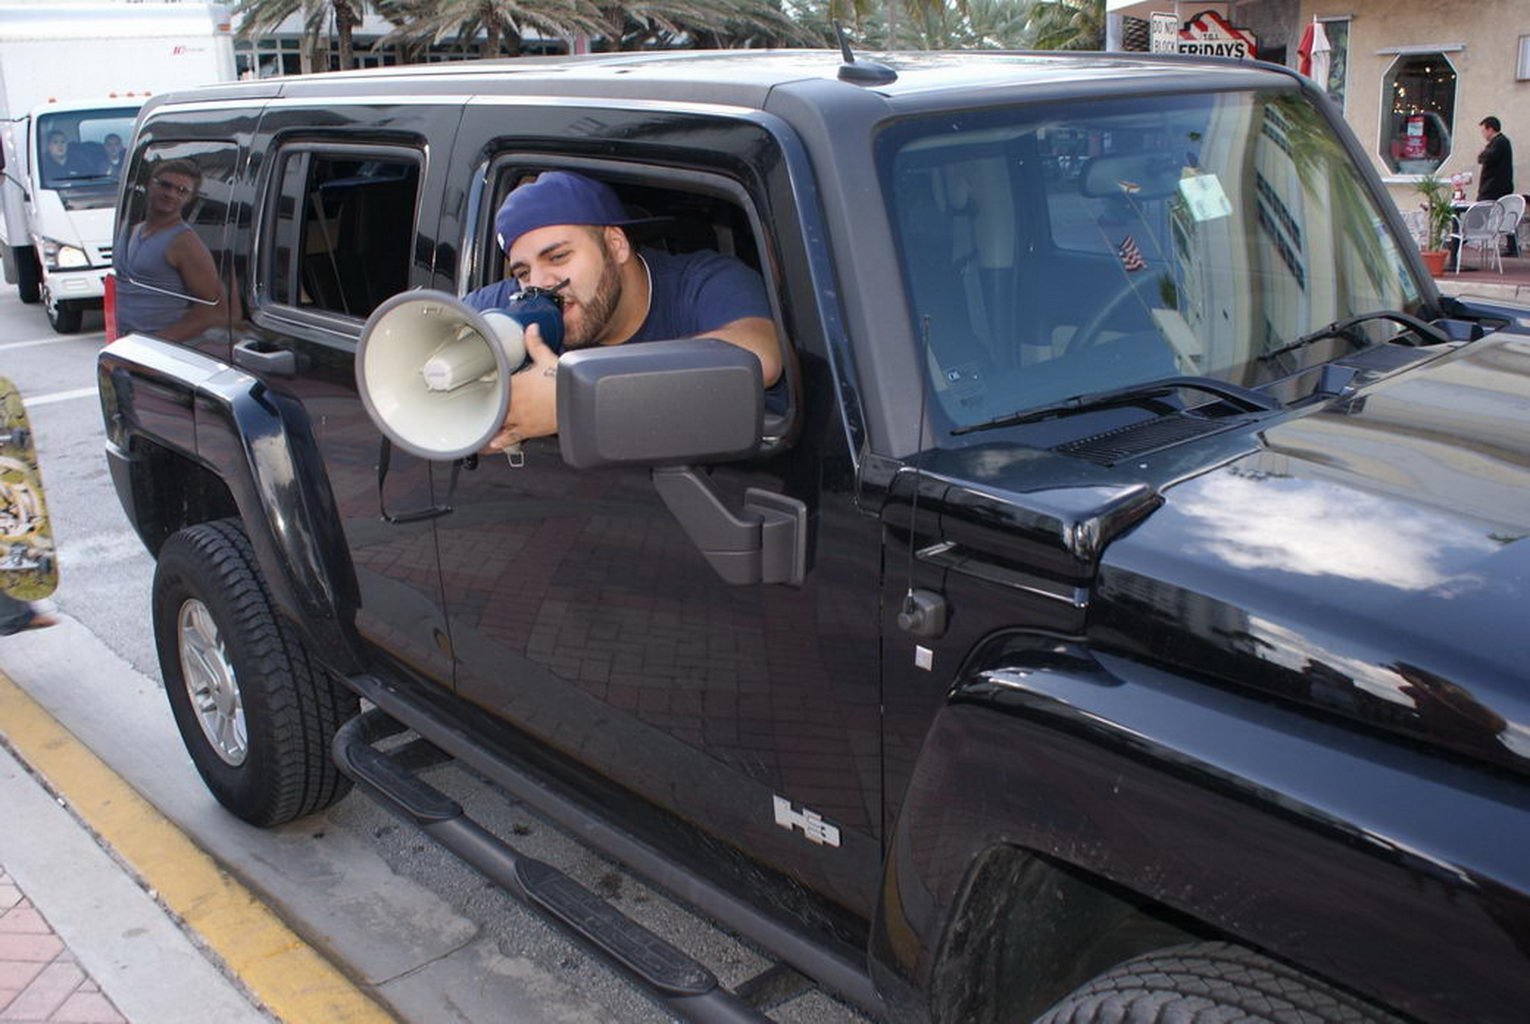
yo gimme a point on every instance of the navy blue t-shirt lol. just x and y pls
(693, 293)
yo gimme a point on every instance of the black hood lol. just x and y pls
(1371, 559)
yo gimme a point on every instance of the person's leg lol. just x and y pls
(14, 614)
(18, 615)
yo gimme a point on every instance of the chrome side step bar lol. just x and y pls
(683, 986)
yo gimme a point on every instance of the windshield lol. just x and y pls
(1063, 250)
(78, 148)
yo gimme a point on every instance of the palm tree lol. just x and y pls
(633, 24)
(1067, 24)
(892, 24)
(984, 25)
(625, 24)
(264, 15)
(503, 22)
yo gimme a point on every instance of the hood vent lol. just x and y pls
(1138, 439)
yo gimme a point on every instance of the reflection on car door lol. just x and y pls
(338, 222)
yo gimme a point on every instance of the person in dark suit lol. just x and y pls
(1497, 160)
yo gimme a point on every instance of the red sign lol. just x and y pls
(1414, 146)
(1208, 34)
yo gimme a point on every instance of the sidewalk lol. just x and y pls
(1513, 285)
(80, 940)
(40, 979)
(129, 902)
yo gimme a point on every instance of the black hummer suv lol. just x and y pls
(1125, 613)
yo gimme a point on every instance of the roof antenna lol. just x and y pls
(859, 71)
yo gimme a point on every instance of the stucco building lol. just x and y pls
(1413, 77)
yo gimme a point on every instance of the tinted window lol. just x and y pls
(166, 252)
(341, 230)
(1059, 251)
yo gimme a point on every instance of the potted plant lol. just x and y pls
(1438, 213)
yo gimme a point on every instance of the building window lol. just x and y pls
(1416, 130)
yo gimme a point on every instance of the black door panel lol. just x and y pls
(580, 611)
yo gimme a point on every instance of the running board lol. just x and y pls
(829, 967)
(683, 986)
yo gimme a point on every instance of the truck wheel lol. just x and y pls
(1210, 981)
(62, 317)
(28, 273)
(257, 713)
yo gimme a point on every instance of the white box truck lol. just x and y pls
(72, 77)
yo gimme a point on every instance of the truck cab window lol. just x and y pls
(79, 152)
(341, 230)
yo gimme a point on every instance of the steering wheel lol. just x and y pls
(1088, 335)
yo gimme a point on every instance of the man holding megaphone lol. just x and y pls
(563, 232)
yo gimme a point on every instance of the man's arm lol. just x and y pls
(533, 391)
(758, 335)
(190, 258)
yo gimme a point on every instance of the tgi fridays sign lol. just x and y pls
(1208, 34)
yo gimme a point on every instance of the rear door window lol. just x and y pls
(340, 230)
(168, 254)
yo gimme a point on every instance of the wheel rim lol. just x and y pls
(210, 683)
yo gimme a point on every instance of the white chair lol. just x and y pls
(1511, 211)
(1414, 221)
(1477, 226)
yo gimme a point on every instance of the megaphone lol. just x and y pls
(434, 373)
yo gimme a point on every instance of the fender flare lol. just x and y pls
(1371, 864)
(259, 444)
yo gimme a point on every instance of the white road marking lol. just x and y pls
(58, 396)
(7, 346)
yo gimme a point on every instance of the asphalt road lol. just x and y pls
(420, 930)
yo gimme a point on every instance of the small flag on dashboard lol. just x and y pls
(1131, 256)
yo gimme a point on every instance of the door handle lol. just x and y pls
(263, 356)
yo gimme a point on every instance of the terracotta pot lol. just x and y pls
(1434, 261)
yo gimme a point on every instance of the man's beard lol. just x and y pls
(595, 314)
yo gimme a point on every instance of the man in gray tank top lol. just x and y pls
(167, 284)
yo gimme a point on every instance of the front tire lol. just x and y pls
(64, 318)
(1209, 981)
(28, 273)
(256, 711)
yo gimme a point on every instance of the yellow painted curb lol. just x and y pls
(289, 977)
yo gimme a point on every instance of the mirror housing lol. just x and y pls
(1152, 175)
(659, 403)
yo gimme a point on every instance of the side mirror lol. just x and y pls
(661, 403)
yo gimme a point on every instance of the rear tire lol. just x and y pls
(28, 273)
(256, 711)
(1210, 982)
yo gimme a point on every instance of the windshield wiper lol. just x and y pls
(1132, 394)
(1345, 329)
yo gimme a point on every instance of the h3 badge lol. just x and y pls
(811, 823)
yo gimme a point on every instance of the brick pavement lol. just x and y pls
(40, 980)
